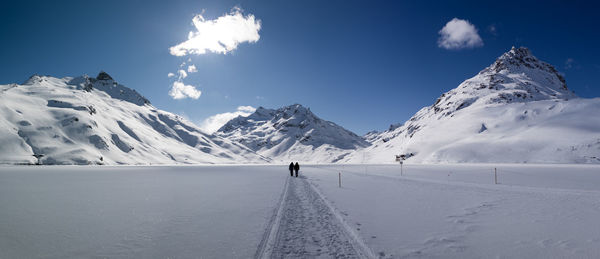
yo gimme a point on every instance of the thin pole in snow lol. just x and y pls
(340, 179)
(495, 176)
(401, 168)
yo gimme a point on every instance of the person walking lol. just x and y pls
(296, 168)
(291, 169)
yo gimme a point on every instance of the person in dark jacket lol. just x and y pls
(296, 168)
(292, 169)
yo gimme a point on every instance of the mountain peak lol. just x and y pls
(520, 51)
(520, 60)
(295, 109)
(517, 57)
(103, 76)
(105, 83)
(515, 76)
(290, 131)
(35, 78)
(506, 112)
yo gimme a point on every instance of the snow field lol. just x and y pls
(456, 211)
(243, 211)
(135, 212)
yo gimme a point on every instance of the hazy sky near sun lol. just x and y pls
(361, 64)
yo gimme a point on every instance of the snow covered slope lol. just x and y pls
(519, 109)
(292, 133)
(87, 120)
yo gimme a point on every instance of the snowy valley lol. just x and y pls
(477, 181)
(259, 211)
(517, 110)
(259, 129)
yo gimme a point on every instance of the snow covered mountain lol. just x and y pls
(87, 120)
(518, 109)
(292, 133)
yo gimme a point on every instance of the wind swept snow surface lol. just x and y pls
(136, 212)
(456, 211)
(430, 211)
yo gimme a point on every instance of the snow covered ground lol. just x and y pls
(456, 211)
(430, 211)
(135, 212)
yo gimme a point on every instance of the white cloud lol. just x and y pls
(220, 35)
(170, 74)
(192, 69)
(569, 63)
(493, 29)
(248, 109)
(215, 122)
(459, 34)
(179, 90)
(182, 74)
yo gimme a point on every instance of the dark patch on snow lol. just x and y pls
(98, 142)
(123, 146)
(128, 130)
(406, 156)
(61, 104)
(340, 157)
(68, 121)
(170, 156)
(182, 130)
(26, 136)
(224, 155)
(483, 128)
(465, 104)
(67, 141)
(160, 127)
(24, 123)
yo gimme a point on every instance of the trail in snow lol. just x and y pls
(306, 225)
(453, 211)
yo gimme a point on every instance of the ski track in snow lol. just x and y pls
(306, 225)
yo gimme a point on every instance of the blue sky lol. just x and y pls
(361, 64)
